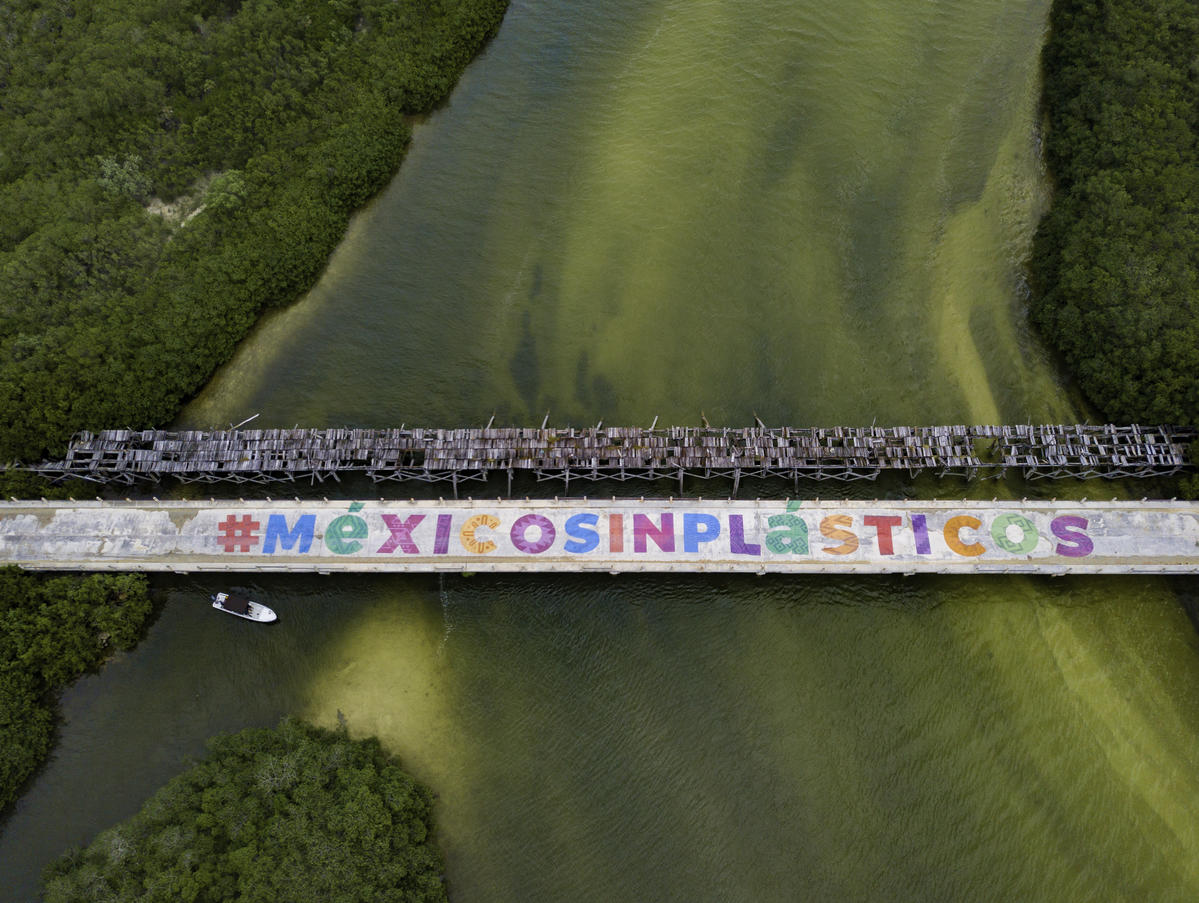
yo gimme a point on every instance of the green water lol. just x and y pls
(812, 212)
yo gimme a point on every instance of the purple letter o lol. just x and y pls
(521, 527)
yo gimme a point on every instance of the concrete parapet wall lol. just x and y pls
(617, 535)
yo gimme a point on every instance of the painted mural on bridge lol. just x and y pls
(679, 534)
(618, 534)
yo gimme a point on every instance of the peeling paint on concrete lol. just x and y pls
(181, 518)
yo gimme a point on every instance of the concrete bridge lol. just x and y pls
(611, 535)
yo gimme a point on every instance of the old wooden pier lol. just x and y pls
(622, 453)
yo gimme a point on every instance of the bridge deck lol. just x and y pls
(606, 535)
(622, 453)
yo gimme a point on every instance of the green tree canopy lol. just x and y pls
(1115, 266)
(170, 169)
(52, 629)
(296, 813)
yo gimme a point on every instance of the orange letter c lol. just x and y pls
(478, 547)
(953, 529)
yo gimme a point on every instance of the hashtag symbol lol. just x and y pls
(238, 535)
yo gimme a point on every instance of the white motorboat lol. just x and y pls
(243, 608)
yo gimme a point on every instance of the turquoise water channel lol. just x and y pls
(811, 212)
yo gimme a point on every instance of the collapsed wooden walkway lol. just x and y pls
(622, 453)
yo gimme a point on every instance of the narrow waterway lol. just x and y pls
(811, 212)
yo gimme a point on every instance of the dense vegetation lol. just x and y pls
(171, 167)
(296, 814)
(1116, 261)
(51, 631)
